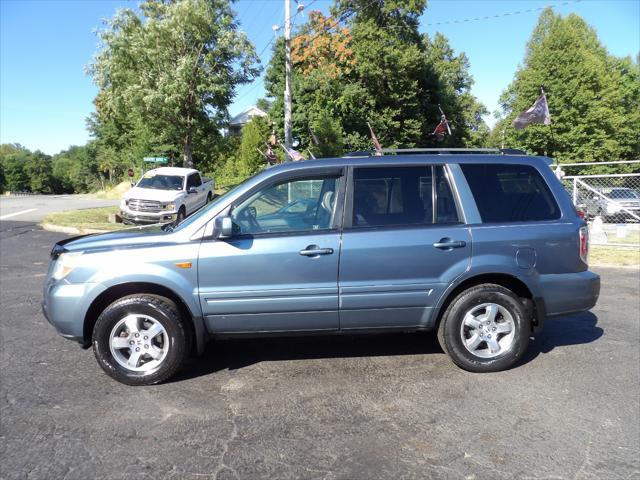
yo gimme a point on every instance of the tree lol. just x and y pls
(328, 134)
(37, 167)
(369, 63)
(13, 158)
(174, 71)
(254, 135)
(593, 97)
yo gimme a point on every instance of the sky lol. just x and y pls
(45, 46)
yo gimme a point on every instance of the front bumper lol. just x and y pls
(147, 217)
(570, 292)
(64, 305)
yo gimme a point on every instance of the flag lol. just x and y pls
(294, 154)
(376, 143)
(443, 127)
(538, 113)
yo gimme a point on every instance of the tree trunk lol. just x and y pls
(188, 153)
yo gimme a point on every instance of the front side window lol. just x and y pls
(401, 196)
(510, 193)
(193, 180)
(289, 206)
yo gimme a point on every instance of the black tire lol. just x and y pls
(164, 312)
(182, 213)
(209, 197)
(450, 336)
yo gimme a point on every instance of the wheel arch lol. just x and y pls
(194, 324)
(534, 305)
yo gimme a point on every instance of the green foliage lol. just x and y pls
(328, 134)
(594, 97)
(38, 169)
(77, 170)
(166, 79)
(254, 135)
(377, 68)
(12, 159)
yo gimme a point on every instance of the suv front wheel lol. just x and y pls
(140, 339)
(485, 329)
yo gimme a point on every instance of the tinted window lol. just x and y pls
(400, 196)
(194, 180)
(290, 206)
(510, 193)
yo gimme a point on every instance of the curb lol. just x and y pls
(70, 230)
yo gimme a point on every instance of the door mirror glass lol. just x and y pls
(223, 227)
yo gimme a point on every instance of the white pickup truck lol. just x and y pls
(166, 194)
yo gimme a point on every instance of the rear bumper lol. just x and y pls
(570, 292)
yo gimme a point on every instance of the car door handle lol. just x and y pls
(314, 251)
(448, 244)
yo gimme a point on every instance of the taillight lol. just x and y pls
(582, 215)
(584, 243)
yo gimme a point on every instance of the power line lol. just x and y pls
(499, 15)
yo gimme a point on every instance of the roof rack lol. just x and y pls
(438, 151)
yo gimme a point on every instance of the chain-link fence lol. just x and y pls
(610, 201)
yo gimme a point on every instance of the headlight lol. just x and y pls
(169, 206)
(123, 203)
(65, 264)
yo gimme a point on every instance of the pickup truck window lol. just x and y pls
(161, 182)
(290, 206)
(510, 193)
(194, 180)
(401, 196)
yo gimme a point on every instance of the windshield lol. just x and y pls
(623, 193)
(203, 210)
(161, 182)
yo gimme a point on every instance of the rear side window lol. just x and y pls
(510, 193)
(401, 196)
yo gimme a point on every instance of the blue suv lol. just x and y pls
(477, 246)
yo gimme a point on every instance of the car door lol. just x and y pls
(279, 272)
(403, 243)
(201, 196)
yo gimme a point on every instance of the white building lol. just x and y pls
(240, 120)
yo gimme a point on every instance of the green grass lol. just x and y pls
(618, 256)
(90, 218)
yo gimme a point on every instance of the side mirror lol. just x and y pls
(223, 227)
(192, 190)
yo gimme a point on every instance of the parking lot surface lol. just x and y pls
(373, 407)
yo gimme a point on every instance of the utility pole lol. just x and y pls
(287, 79)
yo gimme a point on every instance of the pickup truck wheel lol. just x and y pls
(485, 329)
(209, 197)
(181, 215)
(140, 339)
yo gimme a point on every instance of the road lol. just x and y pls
(374, 407)
(33, 208)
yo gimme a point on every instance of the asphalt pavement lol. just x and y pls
(374, 407)
(33, 208)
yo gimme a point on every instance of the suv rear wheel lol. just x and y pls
(485, 329)
(140, 339)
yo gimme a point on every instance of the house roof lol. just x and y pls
(244, 117)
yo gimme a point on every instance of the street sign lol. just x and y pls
(156, 159)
